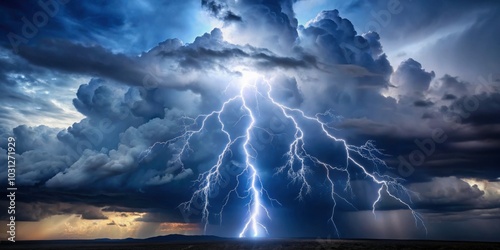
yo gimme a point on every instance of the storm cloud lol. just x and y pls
(88, 100)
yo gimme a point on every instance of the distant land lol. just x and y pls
(176, 241)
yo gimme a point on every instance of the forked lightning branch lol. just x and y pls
(300, 162)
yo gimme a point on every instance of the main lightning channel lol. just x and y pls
(296, 155)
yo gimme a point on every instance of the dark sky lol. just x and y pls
(90, 89)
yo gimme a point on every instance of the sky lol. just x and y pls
(121, 110)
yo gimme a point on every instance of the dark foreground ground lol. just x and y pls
(254, 244)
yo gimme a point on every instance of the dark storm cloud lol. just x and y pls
(449, 97)
(411, 79)
(453, 85)
(35, 204)
(219, 10)
(95, 60)
(223, 10)
(392, 128)
(273, 20)
(423, 103)
(100, 161)
(467, 152)
(198, 58)
(111, 24)
(39, 143)
(356, 69)
(449, 191)
(40, 210)
(137, 117)
(457, 199)
(205, 53)
(334, 40)
(488, 108)
(210, 49)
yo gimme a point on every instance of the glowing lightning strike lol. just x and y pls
(368, 151)
(256, 184)
(296, 155)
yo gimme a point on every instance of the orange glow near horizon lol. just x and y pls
(119, 225)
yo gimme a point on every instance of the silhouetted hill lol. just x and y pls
(179, 238)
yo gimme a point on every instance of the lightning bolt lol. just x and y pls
(297, 155)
